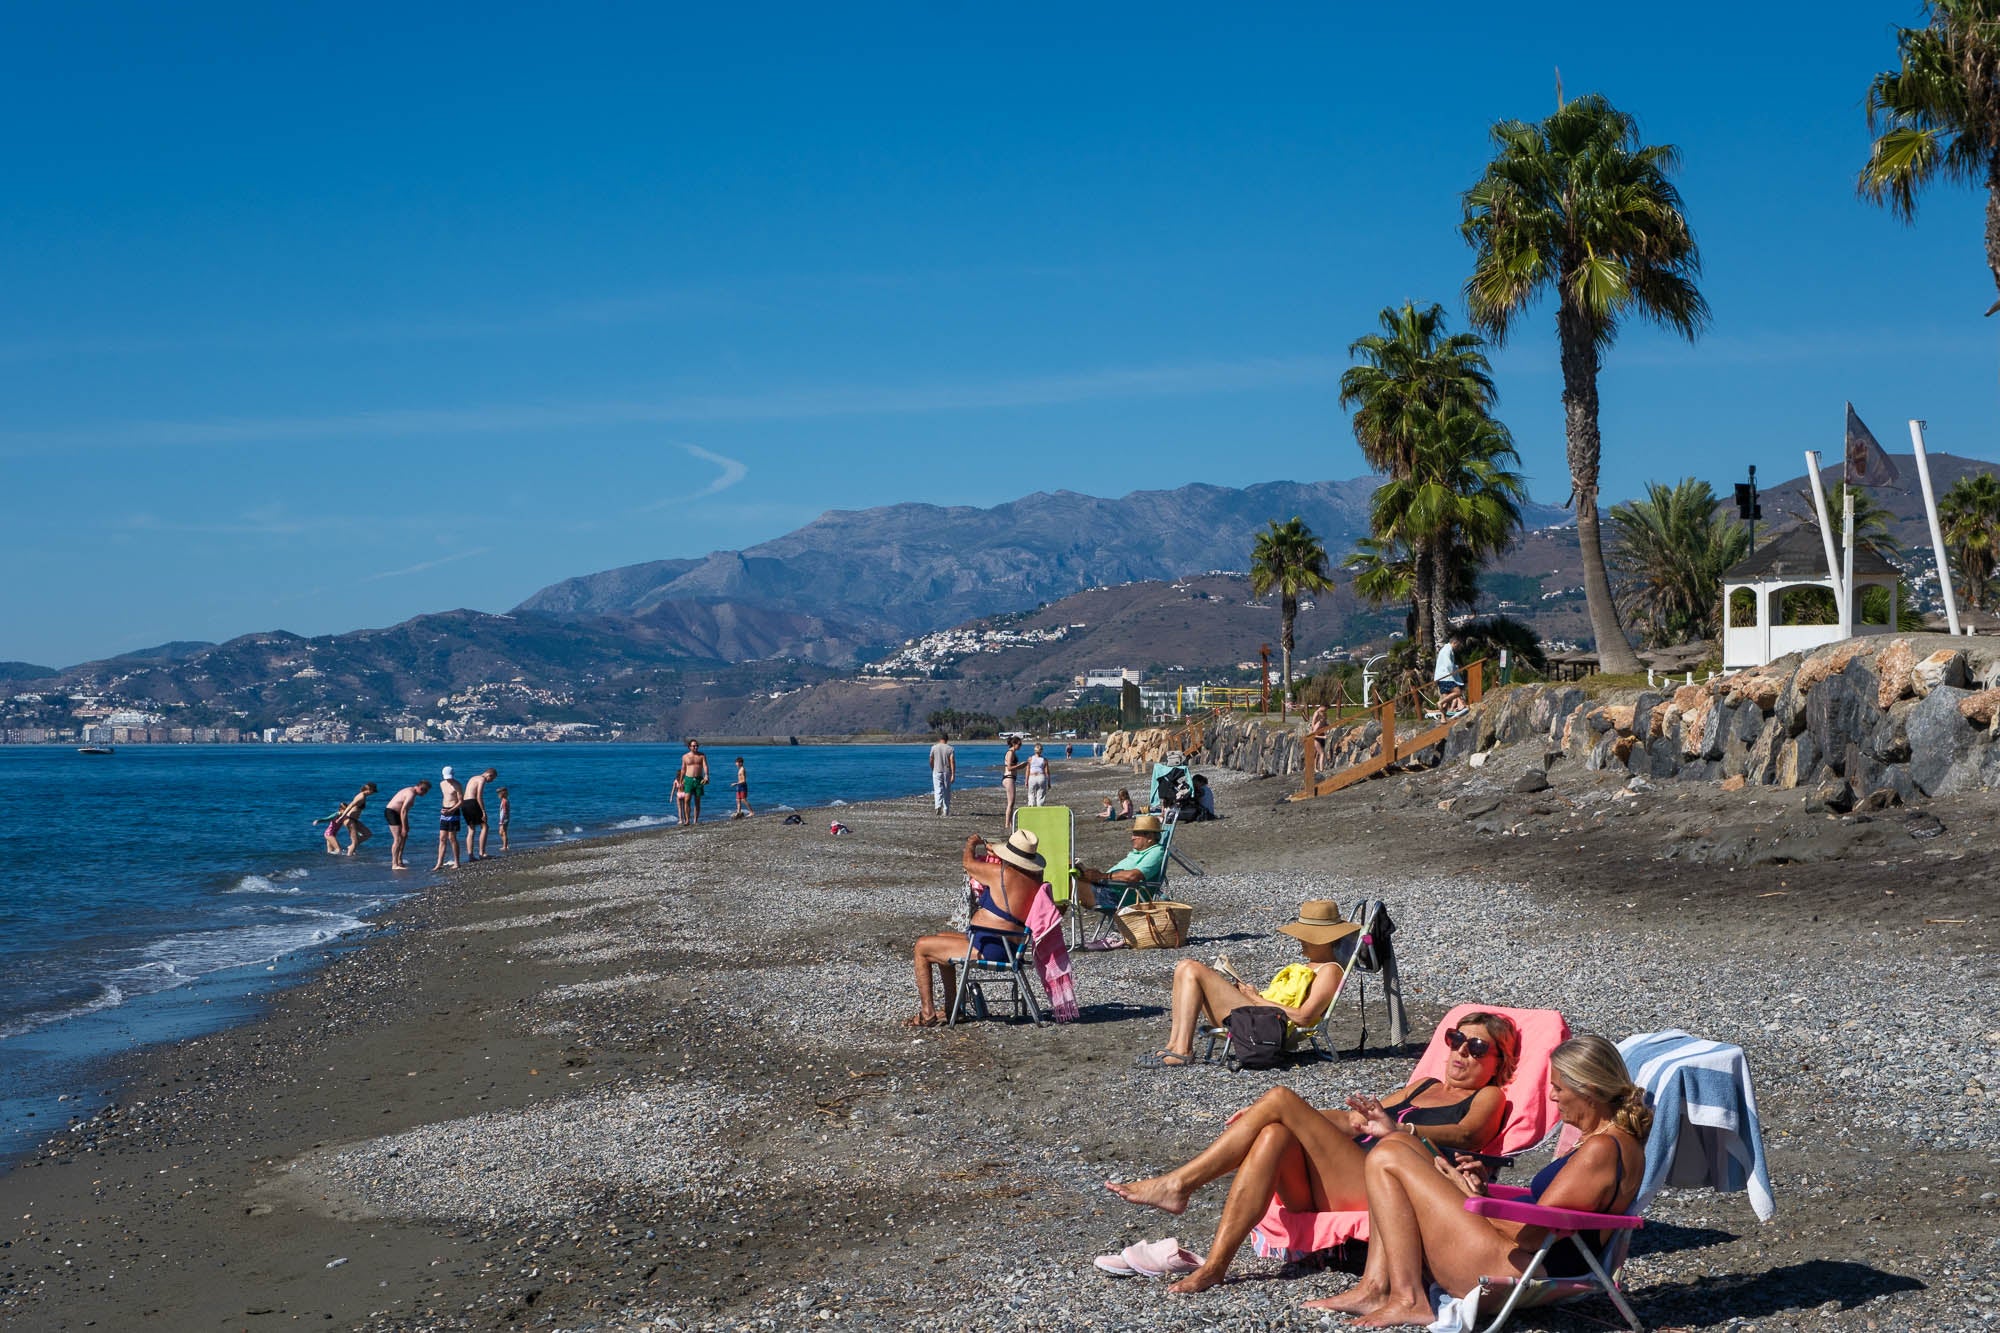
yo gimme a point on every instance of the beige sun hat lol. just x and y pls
(1022, 851)
(1319, 922)
(1146, 824)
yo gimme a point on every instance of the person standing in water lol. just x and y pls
(452, 794)
(743, 810)
(473, 807)
(506, 813)
(397, 816)
(349, 815)
(693, 781)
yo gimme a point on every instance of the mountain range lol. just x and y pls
(766, 640)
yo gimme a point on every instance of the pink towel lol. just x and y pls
(1052, 956)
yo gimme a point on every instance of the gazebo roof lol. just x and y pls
(1798, 553)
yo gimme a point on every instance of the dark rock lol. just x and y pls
(1760, 766)
(1475, 806)
(1890, 741)
(1665, 754)
(1642, 715)
(1834, 717)
(1879, 799)
(1798, 760)
(1941, 741)
(1748, 723)
(1922, 824)
(1831, 795)
(1531, 781)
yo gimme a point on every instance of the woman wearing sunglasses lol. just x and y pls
(1316, 1160)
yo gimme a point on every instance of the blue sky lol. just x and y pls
(319, 318)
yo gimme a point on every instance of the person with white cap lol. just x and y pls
(1003, 882)
(453, 796)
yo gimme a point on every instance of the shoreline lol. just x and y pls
(659, 1076)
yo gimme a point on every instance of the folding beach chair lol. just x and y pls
(1318, 1038)
(1527, 1119)
(975, 970)
(1055, 826)
(1114, 897)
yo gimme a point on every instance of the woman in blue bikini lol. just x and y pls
(1003, 881)
(1416, 1202)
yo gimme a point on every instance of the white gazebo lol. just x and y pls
(1794, 559)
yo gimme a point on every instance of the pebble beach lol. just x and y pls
(662, 1082)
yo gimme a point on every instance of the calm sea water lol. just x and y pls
(156, 893)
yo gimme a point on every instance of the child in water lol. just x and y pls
(506, 813)
(743, 809)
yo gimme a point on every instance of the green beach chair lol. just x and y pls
(1055, 826)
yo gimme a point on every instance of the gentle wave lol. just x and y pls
(644, 821)
(105, 998)
(269, 883)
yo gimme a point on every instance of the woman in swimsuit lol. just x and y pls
(1010, 770)
(1003, 881)
(1416, 1202)
(1316, 1161)
(349, 817)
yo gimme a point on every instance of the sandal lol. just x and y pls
(924, 1021)
(1156, 1259)
(1164, 1060)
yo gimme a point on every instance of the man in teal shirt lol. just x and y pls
(1146, 863)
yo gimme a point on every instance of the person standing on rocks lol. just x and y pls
(691, 783)
(452, 795)
(944, 772)
(473, 807)
(397, 816)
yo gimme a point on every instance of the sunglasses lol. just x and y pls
(1476, 1047)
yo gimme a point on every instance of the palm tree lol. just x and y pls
(1670, 550)
(1871, 520)
(1577, 205)
(1970, 516)
(1936, 116)
(1461, 499)
(1289, 558)
(1411, 376)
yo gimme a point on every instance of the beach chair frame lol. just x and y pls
(1317, 1039)
(1508, 1203)
(974, 971)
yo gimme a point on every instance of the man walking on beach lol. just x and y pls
(944, 771)
(397, 816)
(693, 781)
(453, 795)
(473, 807)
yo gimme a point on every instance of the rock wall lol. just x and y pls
(1874, 719)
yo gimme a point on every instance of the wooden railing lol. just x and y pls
(1391, 747)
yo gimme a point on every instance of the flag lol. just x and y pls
(1867, 464)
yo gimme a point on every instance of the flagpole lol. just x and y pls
(1937, 534)
(1847, 607)
(1825, 523)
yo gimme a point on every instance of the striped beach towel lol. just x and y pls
(1705, 1132)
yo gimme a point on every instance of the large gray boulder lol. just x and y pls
(1945, 752)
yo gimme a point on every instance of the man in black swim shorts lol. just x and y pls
(473, 807)
(398, 817)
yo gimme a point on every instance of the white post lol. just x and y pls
(1825, 523)
(1937, 533)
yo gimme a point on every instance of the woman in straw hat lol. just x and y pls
(1003, 882)
(1316, 1161)
(1416, 1201)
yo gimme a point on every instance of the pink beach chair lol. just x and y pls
(1529, 1116)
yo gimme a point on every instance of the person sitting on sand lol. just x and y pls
(1110, 809)
(1003, 881)
(1124, 804)
(1201, 990)
(349, 817)
(1421, 1233)
(1204, 799)
(1316, 1161)
(1144, 864)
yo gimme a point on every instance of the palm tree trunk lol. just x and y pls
(1288, 611)
(1440, 580)
(1423, 581)
(1579, 367)
(1993, 222)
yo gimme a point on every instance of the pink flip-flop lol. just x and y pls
(1155, 1259)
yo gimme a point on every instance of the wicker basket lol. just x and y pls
(1156, 925)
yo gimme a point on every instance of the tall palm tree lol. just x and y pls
(1670, 550)
(1461, 497)
(1871, 520)
(1291, 559)
(1579, 206)
(1970, 515)
(1936, 116)
(1408, 378)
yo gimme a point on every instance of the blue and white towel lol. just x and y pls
(1705, 1131)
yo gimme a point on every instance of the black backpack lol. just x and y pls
(1256, 1036)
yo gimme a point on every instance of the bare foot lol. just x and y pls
(1396, 1316)
(1155, 1193)
(921, 1020)
(1199, 1280)
(1360, 1297)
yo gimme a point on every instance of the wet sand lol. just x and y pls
(660, 1081)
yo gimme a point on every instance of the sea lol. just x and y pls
(161, 892)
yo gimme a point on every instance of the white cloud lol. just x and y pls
(423, 565)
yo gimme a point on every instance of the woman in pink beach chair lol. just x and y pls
(1417, 1202)
(1314, 1160)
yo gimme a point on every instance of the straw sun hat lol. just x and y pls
(1319, 922)
(1146, 824)
(1021, 851)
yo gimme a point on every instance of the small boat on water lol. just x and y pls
(95, 749)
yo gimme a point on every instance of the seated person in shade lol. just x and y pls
(1421, 1232)
(1144, 864)
(1317, 1161)
(1204, 799)
(1003, 881)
